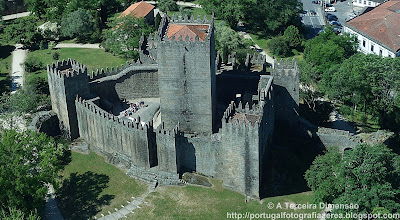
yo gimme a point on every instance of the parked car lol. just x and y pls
(312, 12)
(330, 9)
(316, 2)
(331, 17)
(335, 23)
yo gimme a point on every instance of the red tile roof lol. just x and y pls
(177, 30)
(382, 23)
(139, 9)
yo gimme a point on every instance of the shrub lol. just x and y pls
(167, 5)
(32, 64)
(55, 55)
(279, 47)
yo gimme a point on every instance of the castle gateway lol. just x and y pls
(178, 108)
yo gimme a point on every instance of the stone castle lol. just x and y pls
(201, 115)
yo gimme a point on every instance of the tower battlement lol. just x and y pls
(67, 69)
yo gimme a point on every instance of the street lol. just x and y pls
(313, 23)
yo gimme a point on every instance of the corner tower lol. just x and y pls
(67, 79)
(186, 59)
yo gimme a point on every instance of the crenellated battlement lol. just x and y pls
(191, 20)
(91, 107)
(100, 73)
(67, 69)
(285, 67)
(241, 114)
(162, 130)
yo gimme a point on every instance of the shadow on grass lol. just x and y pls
(79, 197)
(5, 51)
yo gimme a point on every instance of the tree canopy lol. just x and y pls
(124, 35)
(366, 175)
(79, 23)
(328, 49)
(28, 160)
(368, 81)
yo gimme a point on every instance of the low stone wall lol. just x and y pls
(46, 122)
(340, 138)
(151, 175)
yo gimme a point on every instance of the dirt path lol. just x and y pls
(72, 45)
(51, 211)
(15, 16)
(17, 68)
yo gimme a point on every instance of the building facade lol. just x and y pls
(377, 31)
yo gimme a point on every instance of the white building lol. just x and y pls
(378, 31)
(368, 3)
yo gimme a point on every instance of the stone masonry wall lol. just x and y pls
(286, 86)
(67, 79)
(109, 135)
(137, 81)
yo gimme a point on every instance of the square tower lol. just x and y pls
(186, 59)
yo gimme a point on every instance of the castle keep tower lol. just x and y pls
(186, 59)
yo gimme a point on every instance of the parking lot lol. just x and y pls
(316, 21)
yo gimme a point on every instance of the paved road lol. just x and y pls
(71, 45)
(314, 23)
(14, 16)
(17, 69)
(51, 211)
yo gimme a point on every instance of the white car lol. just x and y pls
(330, 9)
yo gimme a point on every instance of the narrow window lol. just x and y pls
(380, 52)
(372, 47)
(363, 43)
(365, 2)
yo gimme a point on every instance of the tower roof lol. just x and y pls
(190, 30)
(139, 9)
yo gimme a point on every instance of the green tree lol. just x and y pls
(38, 7)
(292, 37)
(279, 47)
(23, 31)
(229, 11)
(26, 100)
(273, 16)
(28, 160)
(226, 40)
(124, 35)
(157, 20)
(167, 5)
(329, 49)
(78, 24)
(13, 214)
(368, 82)
(366, 175)
(1, 8)
(99, 9)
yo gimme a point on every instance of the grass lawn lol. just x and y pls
(195, 12)
(195, 202)
(92, 58)
(5, 67)
(93, 187)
